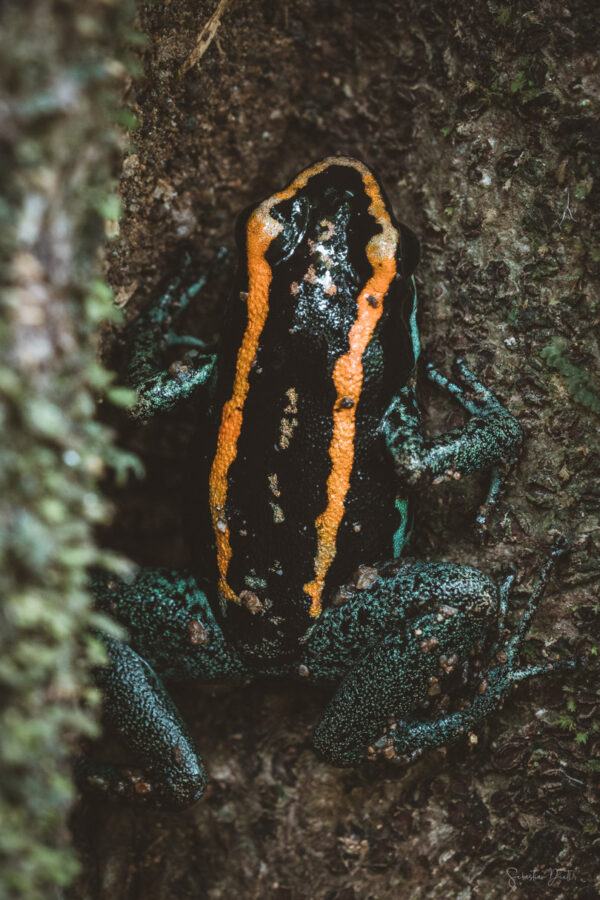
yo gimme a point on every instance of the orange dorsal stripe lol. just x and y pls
(348, 379)
(261, 230)
(233, 410)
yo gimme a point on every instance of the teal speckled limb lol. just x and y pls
(139, 707)
(159, 389)
(452, 610)
(406, 741)
(173, 635)
(490, 440)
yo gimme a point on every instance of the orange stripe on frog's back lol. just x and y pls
(348, 379)
(261, 230)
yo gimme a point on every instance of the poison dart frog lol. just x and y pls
(313, 453)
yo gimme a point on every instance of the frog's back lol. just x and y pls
(317, 342)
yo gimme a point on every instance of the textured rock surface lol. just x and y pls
(482, 121)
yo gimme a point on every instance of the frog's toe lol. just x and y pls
(139, 787)
(550, 668)
(435, 376)
(560, 545)
(461, 370)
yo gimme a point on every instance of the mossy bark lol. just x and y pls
(481, 120)
(58, 145)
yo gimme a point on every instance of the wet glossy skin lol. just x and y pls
(299, 489)
(313, 455)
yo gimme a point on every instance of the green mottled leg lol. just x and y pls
(138, 706)
(490, 440)
(445, 613)
(173, 635)
(395, 640)
(406, 740)
(160, 389)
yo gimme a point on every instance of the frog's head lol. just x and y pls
(323, 247)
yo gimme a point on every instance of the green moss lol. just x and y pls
(503, 16)
(58, 154)
(519, 82)
(566, 722)
(579, 383)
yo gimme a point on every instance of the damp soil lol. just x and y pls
(481, 120)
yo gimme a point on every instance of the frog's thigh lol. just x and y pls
(173, 634)
(139, 707)
(409, 621)
(170, 624)
(401, 592)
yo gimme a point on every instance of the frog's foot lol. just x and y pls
(478, 400)
(137, 786)
(499, 476)
(490, 440)
(160, 386)
(469, 392)
(504, 596)
(138, 705)
(405, 741)
(185, 340)
(560, 546)
(162, 391)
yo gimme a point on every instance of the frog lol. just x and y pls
(310, 457)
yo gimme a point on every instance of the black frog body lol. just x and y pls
(314, 453)
(320, 333)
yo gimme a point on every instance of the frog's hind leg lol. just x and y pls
(140, 709)
(394, 641)
(406, 740)
(410, 739)
(172, 632)
(376, 707)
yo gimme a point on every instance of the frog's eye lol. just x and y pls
(294, 217)
(410, 251)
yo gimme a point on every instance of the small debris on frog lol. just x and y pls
(251, 601)
(365, 577)
(198, 632)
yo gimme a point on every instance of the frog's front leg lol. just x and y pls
(491, 439)
(398, 641)
(172, 635)
(159, 387)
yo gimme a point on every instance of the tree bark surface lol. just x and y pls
(481, 120)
